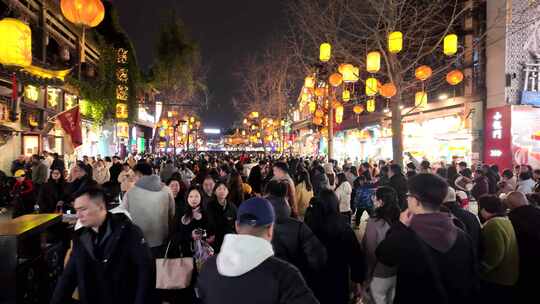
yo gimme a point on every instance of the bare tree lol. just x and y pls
(355, 28)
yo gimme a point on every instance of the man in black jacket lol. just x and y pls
(110, 262)
(246, 271)
(399, 183)
(435, 260)
(293, 240)
(525, 219)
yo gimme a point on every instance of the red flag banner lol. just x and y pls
(71, 123)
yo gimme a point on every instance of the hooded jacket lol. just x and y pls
(245, 271)
(151, 206)
(434, 254)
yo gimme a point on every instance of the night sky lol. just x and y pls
(227, 32)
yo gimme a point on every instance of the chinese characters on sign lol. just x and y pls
(122, 92)
(498, 137)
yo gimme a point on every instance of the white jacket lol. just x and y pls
(526, 186)
(343, 193)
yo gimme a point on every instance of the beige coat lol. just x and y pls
(303, 197)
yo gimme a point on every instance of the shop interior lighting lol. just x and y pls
(443, 96)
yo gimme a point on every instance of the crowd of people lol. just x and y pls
(258, 229)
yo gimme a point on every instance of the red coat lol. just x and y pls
(23, 197)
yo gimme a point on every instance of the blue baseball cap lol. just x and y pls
(256, 212)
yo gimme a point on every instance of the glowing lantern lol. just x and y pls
(450, 44)
(16, 46)
(423, 72)
(245, 121)
(341, 68)
(388, 90)
(320, 92)
(373, 62)
(324, 132)
(454, 77)
(317, 120)
(420, 99)
(372, 86)
(88, 13)
(346, 95)
(348, 73)
(319, 113)
(395, 42)
(339, 114)
(335, 104)
(325, 52)
(254, 115)
(121, 111)
(370, 105)
(335, 80)
(312, 106)
(243, 132)
(122, 129)
(358, 109)
(309, 82)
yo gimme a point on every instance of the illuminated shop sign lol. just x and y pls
(498, 137)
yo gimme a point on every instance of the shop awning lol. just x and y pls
(46, 73)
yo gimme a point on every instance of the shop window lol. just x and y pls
(30, 144)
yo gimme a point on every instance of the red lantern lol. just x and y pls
(454, 77)
(423, 72)
(358, 109)
(88, 13)
(335, 80)
(388, 90)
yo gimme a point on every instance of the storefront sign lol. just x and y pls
(498, 137)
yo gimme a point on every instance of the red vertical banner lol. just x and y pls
(498, 137)
(71, 123)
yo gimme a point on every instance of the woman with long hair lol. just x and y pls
(381, 280)
(236, 189)
(345, 256)
(52, 194)
(194, 224)
(178, 190)
(223, 214)
(255, 179)
(304, 191)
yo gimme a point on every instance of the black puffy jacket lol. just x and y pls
(295, 243)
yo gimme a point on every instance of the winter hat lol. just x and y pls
(256, 212)
(451, 196)
(19, 173)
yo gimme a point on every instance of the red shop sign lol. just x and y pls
(498, 137)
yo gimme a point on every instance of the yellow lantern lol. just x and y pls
(373, 62)
(309, 82)
(254, 114)
(450, 44)
(122, 129)
(162, 132)
(325, 52)
(346, 95)
(372, 86)
(16, 46)
(395, 42)
(121, 111)
(324, 132)
(454, 77)
(312, 106)
(388, 90)
(370, 105)
(339, 114)
(423, 72)
(421, 99)
(358, 109)
(335, 80)
(348, 73)
(319, 113)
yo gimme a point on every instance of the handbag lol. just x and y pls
(173, 273)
